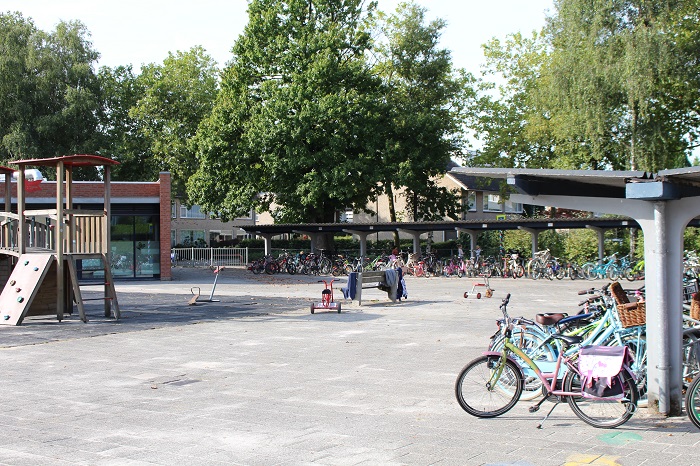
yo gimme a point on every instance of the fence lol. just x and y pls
(208, 257)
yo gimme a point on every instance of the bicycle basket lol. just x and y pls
(632, 314)
(695, 307)
(600, 368)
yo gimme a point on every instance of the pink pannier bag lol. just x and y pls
(600, 368)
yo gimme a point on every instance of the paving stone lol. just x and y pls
(255, 379)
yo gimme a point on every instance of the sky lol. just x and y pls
(141, 32)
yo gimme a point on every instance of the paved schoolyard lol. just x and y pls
(256, 379)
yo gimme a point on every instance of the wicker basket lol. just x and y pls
(695, 307)
(632, 314)
(618, 293)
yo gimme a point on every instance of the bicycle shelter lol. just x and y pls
(662, 204)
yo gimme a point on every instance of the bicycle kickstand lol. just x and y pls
(548, 414)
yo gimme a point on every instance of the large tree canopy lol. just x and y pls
(609, 84)
(49, 92)
(424, 104)
(294, 127)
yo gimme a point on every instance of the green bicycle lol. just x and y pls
(492, 384)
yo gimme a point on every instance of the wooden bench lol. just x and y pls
(376, 279)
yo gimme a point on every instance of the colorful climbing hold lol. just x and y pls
(12, 282)
(20, 299)
(6, 317)
(18, 289)
(36, 269)
(26, 262)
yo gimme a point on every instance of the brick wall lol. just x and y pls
(97, 189)
(165, 219)
(121, 189)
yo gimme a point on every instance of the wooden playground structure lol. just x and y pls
(40, 250)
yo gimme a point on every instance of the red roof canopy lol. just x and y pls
(83, 160)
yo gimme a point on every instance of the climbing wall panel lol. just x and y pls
(23, 286)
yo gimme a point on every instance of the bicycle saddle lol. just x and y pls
(568, 339)
(549, 319)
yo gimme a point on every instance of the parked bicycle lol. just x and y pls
(492, 384)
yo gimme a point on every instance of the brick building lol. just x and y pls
(139, 226)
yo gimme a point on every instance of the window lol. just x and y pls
(217, 237)
(193, 212)
(346, 216)
(492, 203)
(192, 238)
(471, 201)
(514, 207)
(173, 238)
(173, 210)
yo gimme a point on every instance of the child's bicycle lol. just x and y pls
(327, 301)
(493, 383)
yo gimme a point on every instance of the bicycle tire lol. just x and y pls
(587, 270)
(325, 266)
(602, 413)
(472, 391)
(692, 402)
(291, 268)
(691, 355)
(519, 271)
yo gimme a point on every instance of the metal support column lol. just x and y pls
(535, 239)
(416, 240)
(601, 242)
(362, 236)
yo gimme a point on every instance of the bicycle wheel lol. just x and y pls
(519, 271)
(603, 413)
(691, 355)
(692, 402)
(481, 394)
(587, 270)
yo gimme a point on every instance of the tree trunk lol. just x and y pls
(392, 211)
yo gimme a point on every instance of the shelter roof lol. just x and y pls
(476, 224)
(666, 184)
(78, 160)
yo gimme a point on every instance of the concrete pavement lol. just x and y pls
(257, 380)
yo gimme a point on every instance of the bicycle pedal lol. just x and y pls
(534, 409)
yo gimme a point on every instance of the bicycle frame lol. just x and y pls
(551, 389)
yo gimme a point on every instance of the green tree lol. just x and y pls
(424, 104)
(507, 118)
(177, 96)
(49, 92)
(616, 81)
(122, 137)
(294, 129)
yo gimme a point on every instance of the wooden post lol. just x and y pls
(21, 228)
(106, 230)
(60, 241)
(7, 229)
(71, 246)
